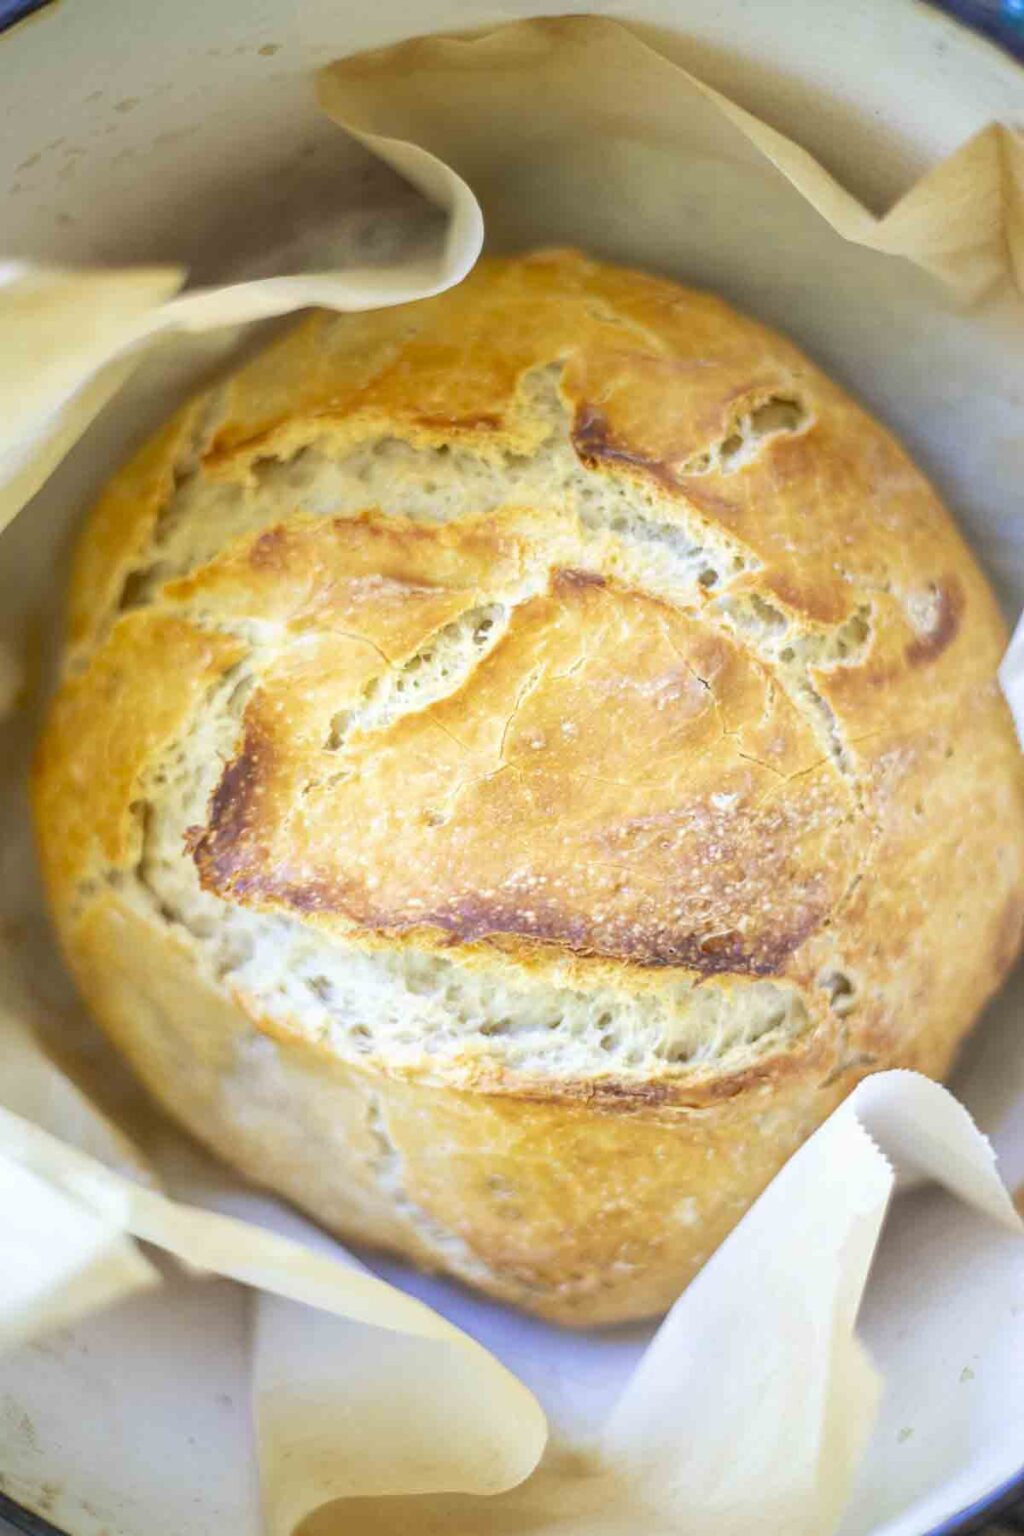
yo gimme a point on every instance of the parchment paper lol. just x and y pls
(756, 1402)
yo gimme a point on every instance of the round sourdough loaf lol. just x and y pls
(521, 758)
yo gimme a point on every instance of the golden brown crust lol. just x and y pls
(105, 729)
(562, 795)
(791, 766)
(579, 1212)
(122, 524)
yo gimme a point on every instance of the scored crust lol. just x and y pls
(544, 745)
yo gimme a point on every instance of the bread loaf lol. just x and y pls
(521, 758)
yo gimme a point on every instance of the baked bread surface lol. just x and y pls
(521, 758)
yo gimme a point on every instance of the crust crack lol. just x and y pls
(440, 668)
